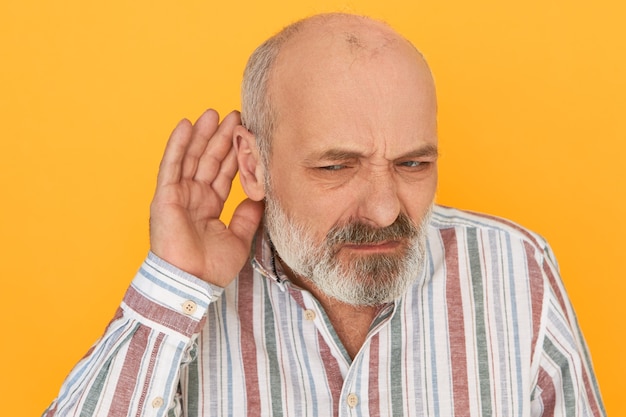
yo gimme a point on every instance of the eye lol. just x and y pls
(412, 164)
(333, 167)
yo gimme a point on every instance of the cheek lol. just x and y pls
(321, 216)
(322, 211)
(305, 206)
(417, 200)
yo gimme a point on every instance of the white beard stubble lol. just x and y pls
(368, 280)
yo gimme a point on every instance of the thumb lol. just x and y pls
(246, 220)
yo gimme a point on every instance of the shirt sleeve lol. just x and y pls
(133, 369)
(565, 381)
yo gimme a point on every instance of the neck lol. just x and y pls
(351, 323)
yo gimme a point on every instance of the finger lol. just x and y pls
(171, 163)
(203, 130)
(217, 149)
(246, 220)
(224, 178)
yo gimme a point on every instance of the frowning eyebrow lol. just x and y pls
(427, 151)
(338, 154)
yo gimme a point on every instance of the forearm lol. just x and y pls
(134, 367)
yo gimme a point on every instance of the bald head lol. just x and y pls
(317, 55)
(348, 36)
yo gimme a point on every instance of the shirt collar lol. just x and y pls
(263, 258)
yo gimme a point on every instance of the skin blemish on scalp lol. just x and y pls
(353, 41)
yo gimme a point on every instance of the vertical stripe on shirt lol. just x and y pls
(483, 376)
(456, 326)
(249, 349)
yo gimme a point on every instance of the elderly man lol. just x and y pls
(354, 295)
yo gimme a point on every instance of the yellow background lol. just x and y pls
(532, 95)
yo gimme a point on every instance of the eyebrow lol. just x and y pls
(338, 154)
(431, 151)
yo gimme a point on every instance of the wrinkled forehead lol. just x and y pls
(350, 78)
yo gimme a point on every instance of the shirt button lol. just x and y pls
(157, 402)
(309, 315)
(189, 307)
(353, 400)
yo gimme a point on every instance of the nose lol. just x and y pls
(379, 203)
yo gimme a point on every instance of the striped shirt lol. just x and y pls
(487, 330)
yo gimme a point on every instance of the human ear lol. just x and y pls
(251, 171)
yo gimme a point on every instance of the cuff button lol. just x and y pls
(189, 307)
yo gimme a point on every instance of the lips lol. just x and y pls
(378, 247)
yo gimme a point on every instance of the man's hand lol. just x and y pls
(194, 181)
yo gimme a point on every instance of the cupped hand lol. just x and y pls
(194, 180)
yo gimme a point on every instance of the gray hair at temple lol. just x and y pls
(257, 112)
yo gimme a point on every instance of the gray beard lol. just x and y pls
(368, 280)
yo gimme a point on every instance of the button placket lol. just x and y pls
(157, 402)
(309, 315)
(352, 400)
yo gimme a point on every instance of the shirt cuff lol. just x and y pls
(168, 299)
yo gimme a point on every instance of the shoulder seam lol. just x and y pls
(447, 217)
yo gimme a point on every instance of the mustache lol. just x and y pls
(358, 233)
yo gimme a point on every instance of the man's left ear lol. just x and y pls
(251, 172)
